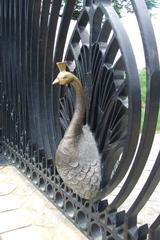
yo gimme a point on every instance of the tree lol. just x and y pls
(77, 9)
(119, 5)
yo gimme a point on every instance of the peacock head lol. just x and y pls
(64, 77)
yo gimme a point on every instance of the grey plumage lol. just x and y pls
(78, 163)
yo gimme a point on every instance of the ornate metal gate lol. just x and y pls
(34, 115)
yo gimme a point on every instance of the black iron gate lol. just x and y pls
(34, 115)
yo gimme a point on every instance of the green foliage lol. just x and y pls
(152, 4)
(142, 74)
(121, 4)
(77, 9)
(118, 6)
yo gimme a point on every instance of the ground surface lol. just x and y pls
(152, 209)
(26, 214)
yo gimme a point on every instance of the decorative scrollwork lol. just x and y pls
(97, 53)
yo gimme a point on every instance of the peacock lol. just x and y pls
(77, 157)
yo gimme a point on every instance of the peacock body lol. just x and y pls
(77, 157)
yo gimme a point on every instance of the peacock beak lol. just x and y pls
(55, 81)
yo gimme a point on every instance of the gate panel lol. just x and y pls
(34, 115)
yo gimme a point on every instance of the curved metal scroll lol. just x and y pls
(104, 61)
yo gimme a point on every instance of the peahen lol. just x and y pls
(77, 158)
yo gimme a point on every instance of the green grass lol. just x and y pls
(142, 74)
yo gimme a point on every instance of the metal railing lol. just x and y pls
(34, 115)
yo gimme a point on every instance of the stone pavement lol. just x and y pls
(152, 208)
(26, 214)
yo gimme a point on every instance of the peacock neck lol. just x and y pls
(76, 124)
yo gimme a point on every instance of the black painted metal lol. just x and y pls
(34, 115)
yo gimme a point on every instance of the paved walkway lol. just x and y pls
(26, 214)
(152, 209)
